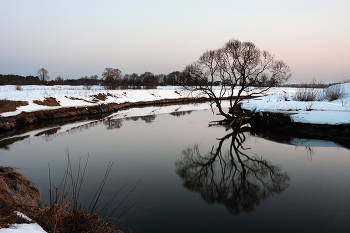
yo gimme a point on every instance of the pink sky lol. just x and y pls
(82, 38)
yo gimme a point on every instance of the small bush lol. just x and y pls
(19, 88)
(307, 94)
(334, 92)
(88, 85)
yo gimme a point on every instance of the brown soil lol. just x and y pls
(48, 101)
(11, 105)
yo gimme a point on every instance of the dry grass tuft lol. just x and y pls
(66, 214)
(48, 101)
(61, 218)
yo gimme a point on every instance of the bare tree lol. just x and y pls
(149, 80)
(111, 123)
(93, 79)
(59, 80)
(125, 81)
(112, 78)
(241, 67)
(43, 75)
(86, 81)
(134, 80)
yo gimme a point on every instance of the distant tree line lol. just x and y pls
(114, 79)
(11, 79)
(111, 79)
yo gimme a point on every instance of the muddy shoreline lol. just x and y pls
(29, 118)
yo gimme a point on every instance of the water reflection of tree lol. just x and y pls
(148, 118)
(233, 178)
(135, 118)
(180, 113)
(111, 123)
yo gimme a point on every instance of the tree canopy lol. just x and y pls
(43, 75)
(241, 69)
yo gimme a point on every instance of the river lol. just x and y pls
(194, 178)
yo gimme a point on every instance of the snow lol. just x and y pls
(322, 112)
(24, 227)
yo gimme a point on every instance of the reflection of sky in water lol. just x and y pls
(317, 198)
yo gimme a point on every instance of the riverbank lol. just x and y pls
(34, 104)
(27, 118)
(280, 99)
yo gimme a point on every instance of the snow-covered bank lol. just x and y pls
(322, 112)
(314, 112)
(318, 112)
(75, 96)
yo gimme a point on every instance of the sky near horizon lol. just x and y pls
(82, 37)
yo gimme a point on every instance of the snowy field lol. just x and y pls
(277, 100)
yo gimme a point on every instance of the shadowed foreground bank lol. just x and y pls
(63, 214)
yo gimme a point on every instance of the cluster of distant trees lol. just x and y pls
(111, 79)
(114, 79)
(11, 79)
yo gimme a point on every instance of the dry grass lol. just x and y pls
(61, 218)
(17, 193)
(48, 101)
(18, 187)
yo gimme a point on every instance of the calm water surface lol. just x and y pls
(191, 181)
